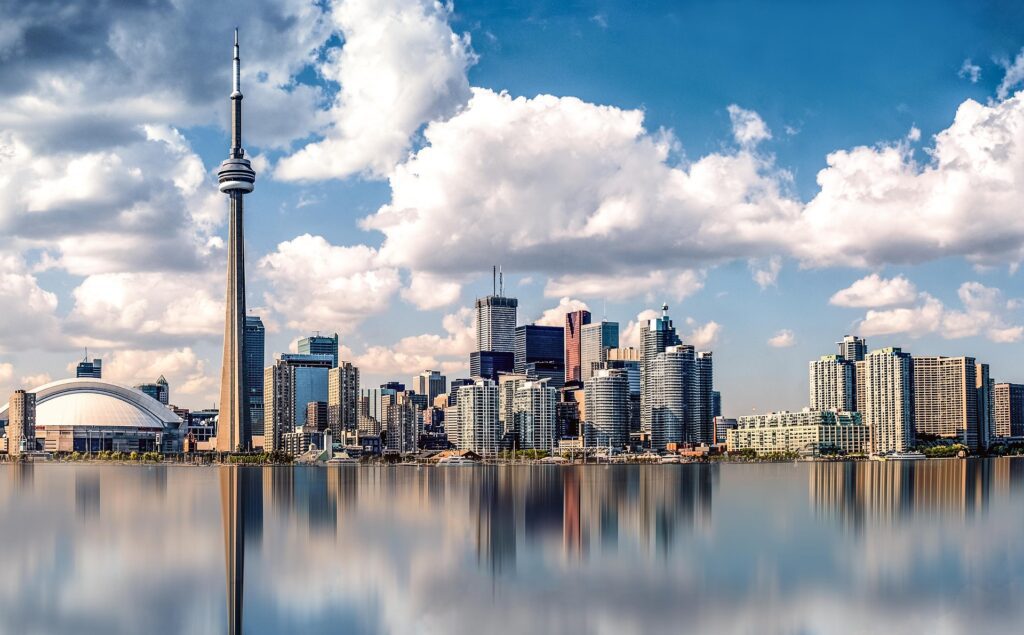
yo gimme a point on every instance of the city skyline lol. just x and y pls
(328, 255)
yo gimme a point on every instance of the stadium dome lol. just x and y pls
(76, 412)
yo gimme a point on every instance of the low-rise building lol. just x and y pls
(809, 432)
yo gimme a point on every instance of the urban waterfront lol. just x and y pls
(908, 547)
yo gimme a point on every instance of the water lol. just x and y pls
(915, 547)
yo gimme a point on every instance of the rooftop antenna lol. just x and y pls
(494, 279)
(664, 309)
(501, 283)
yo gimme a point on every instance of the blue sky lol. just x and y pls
(684, 139)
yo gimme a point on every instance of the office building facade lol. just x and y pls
(573, 333)
(343, 399)
(495, 323)
(89, 369)
(595, 340)
(255, 351)
(430, 383)
(1008, 403)
(159, 390)
(320, 345)
(536, 343)
(490, 364)
(291, 383)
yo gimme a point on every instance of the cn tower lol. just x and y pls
(236, 178)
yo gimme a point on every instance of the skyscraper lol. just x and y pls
(852, 348)
(535, 343)
(480, 429)
(946, 398)
(92, 370)
(343, 399)
(700, 418)
(533, 412)
(1009, 410)
(606, 409)
(832, 384)
(159, 390)
(236, 178)
(655, 336)
(21, 423)
(889, 400)
(986, 390)
(320, 345)
(595, 340)
(289, 385)
(496, 322)
(490, 364)
(400, 423)
(430, 383)
(574, 321)
(668, 386)
(255, 350)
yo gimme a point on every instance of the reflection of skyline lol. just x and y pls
(873, 492)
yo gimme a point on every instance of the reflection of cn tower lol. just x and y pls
(232, 515)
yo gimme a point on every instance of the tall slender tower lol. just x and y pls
(236, 180)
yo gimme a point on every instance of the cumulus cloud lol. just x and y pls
(429, 291)
(747, 126)
(703, 336)
(315, 285)
(668, 285)
(876, 291)
(448, 352)
(28, 319)
(984, 312)
(1013, 74)
(401, 67)
(186, 373)
(970, 71)
(766, 274)
(783, 338)
(555, 316)
(32, 381)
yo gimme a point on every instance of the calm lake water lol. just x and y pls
(926, 547)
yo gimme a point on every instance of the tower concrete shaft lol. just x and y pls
(236, 178)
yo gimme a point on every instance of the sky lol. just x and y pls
(780, 174)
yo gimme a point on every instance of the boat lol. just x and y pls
(671, 458)
(899, 456)
(455, 461)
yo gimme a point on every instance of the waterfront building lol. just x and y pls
(343, 399)
(159, 390)
(567, 418)
(21, 423)
(860, 391)
(535, 343)
(852, 348)
(297, 442)
(986, 390)
(316, 417)
(534, 412)
(595, 340)
(236, 178)
(91, 415)
(946, 399)
(809, 432)
(655, 336)
(574, 323)
(89, 369)
(292, 382)
(255, 352)
(452, 426)
(1009, 410)
(700, 418)
(507, 386)
(670, 375)
(606, 409)
(490, 364)
(632, 369)
(833, 383)
(320, 345)
(495, 322)
(889, 402)
(401, 423)
(722, 427)
(480, 428)
(430, 383)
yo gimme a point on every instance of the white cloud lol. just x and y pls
(555, 316)
(876, 291)
(782, 339)
(432, 291)
(970, 71)
(672, 285)
(984, 313)
(315, 285)
(448, 352)
(1014, 75)
(32, 381)
(28, 319)
(184, 370)
(747, 126)
(703, 336)
(6, 372)
(630, 335)
(914, 134)
(401, 67)
(768, 274)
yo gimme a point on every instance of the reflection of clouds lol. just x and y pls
(627, 549)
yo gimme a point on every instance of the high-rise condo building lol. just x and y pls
(700, 411)
(480, 428)
(159, 390)
(655, 336)
(574, 323)
(986, 389)
(255, 351)
(833, 384)
(606, 409)
(533, 411)
(430, 383)
(316, 417)
(490, 364)
(236, 178)
(535, 343)
(21, 423)
(946, 398)
(507, 386)
(1009, 410)
(289, 385)
(496, 323)
(453, 389)
(401, 423)
(632, 369)
(668, 383)
(320, 345)
(889, 403)
(808, 432)
(860, 391)
(852, 348)
(343, 399)
(92, 370)
(595, 340)
(716, 404)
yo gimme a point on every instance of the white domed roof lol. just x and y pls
(94, 402)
